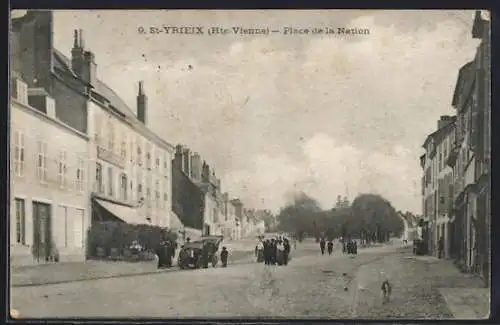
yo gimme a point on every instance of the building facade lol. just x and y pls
(214, 212)
(438, 177)
(49, 211)
(471, 157)
(125, 167)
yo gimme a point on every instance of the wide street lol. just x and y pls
(311, 286)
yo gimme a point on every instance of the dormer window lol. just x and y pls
(19, 90)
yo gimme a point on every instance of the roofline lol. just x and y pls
(454, 101)
(438, 131)
(146, 131)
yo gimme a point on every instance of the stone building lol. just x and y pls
(49, 210)
(127, 166)
(471, 157)
(437, 181)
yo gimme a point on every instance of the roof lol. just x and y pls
(436, 134)
(466, 76)
(63, 63)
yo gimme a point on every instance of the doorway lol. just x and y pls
(42, 235)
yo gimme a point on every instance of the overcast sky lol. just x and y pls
(274, 114)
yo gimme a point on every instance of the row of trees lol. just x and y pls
(370, 218)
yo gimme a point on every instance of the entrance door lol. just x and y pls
(207, 230)
(42, 236)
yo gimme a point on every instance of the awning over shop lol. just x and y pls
(128, 214)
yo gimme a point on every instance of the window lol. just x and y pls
(123, 186)
(139, 184)
(111, 137)
(157, 163)
(157, 194)
(165, 197)
(110, 181)
(131, 150)
(80, 175)
(41, 168)
(61, 171)
(148, 155)
(98, 178)
(139, 156)
(123, 151)
(19, 153)
(20, 221)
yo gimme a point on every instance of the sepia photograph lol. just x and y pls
(250, 164)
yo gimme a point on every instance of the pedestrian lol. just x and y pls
(287, 251)
(160, 252)
(355, 248)
(205, 253)
(322, 244)
(223, 256)
(441, 247)
(274, 251)
(266, 252)
(330, 247)
(167, 249)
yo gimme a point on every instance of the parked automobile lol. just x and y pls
(191, 254)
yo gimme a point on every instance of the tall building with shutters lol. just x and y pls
(471, 157)
(49, 210)
(436, 183)
(93, 157)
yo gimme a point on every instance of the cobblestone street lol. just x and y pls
(311, 286)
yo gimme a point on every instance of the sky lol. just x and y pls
(328, 115)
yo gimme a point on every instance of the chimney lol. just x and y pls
(443, 120)
(83, 62)
(178, 157)
(186, 166)
(142, 104)
(196, 167)
(205, 173)
(31, 48)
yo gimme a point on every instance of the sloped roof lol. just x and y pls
(440, 131)
(465, 79)
(64, 63)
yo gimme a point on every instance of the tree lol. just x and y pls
(299, 216)
(377, 216)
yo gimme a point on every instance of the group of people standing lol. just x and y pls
(323, 245)
(275, 251)
(165, 252)
(349, 247)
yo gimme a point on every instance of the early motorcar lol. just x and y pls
(213, 243)
(191, 254)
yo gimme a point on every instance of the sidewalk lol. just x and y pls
(424, 287)
(44, 274)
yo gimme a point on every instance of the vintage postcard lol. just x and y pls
(250, 164)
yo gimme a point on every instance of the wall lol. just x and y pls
(33, 61)
(69, 234)
(126, 160)
(188, 201)
(72, 106)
